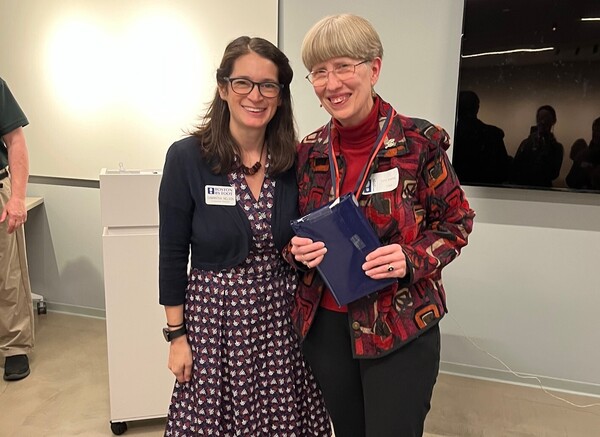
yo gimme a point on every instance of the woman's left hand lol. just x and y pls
(386, 262)
(307, 252)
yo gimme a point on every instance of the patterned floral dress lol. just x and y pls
(248, 376)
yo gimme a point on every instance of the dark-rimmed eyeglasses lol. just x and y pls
(243, 87)
(342, 72)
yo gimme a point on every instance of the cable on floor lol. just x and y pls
(520, 375)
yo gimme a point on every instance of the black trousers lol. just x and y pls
(380, 397)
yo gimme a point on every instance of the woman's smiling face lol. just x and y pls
(252, 111)
(349, 101)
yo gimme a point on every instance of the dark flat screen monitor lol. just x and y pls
(528, 111)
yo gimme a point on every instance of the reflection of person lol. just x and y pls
(377, 359)
(585, 172)
(227, 196)
(579, 145)
(16, 308)
(539, 157)
(479, 154)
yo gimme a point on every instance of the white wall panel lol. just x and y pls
(104, 82)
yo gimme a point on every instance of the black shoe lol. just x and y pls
(16, 367)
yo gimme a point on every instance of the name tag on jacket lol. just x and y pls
(382, 182)
(219, 195)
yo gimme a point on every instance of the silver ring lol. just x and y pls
(390, 268)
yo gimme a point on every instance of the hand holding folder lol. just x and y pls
(349, 238)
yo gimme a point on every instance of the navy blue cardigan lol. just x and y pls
(219, 236)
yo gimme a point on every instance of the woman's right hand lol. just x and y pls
(307, 252)
(180, 359)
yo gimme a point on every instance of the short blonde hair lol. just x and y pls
(340, 35)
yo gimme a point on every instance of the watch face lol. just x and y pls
(166, 334)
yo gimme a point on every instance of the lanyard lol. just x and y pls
(333, 166)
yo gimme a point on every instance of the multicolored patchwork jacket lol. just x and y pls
(427, 214)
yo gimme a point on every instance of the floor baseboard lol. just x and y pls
(75, 310)
(553, 384)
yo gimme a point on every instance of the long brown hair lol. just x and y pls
(218, 145)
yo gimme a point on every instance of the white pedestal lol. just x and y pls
(140, 382)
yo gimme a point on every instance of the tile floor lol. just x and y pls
(67, 395)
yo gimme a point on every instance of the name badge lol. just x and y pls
(219, 195)
(382, 182)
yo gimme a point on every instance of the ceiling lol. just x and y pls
(495, 25)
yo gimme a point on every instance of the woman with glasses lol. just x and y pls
(227, 196)
(376, 359)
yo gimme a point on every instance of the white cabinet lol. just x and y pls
(140, 382)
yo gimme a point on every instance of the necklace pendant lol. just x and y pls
(249, 171)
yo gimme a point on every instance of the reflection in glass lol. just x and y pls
(518, 57)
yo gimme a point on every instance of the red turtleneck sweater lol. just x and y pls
(354, 144)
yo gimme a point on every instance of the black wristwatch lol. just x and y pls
(171, 335)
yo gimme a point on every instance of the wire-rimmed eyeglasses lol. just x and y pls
(342, 72)
(244, 86)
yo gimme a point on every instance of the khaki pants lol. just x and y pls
(16, 307)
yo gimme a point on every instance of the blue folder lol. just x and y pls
(349, 238)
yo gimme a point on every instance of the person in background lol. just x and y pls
(479, 155)
(585, 172)
(578, 146)
(377, 358)
(539, 157)
(226, 198)
(16, 307)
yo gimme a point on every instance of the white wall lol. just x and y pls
(526, 289)
(104, 82)
(65, 248)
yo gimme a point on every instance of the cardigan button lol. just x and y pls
(355, 326)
